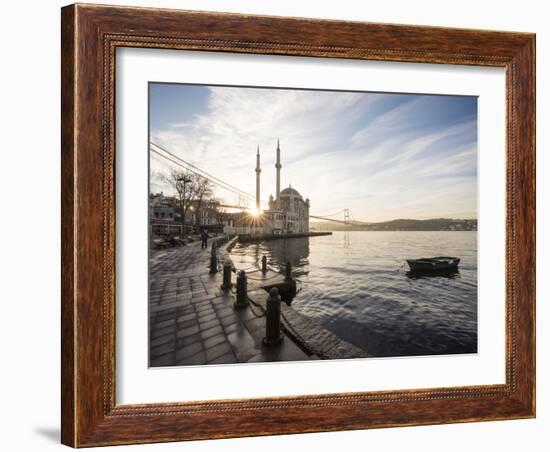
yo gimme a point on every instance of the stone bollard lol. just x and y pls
(273, 334)
(264, 264)
(213, 261)
(242, 292)
(227, 284)
(288, 271)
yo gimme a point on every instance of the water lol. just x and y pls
(357, 285)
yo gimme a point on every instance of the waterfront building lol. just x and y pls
(287, 212)
(163, 218)
(161, 207)
(166, 217)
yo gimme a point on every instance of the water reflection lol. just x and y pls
(450, 274)
(346, 239)
(278, 253)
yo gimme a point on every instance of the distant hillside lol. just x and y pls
(435, 224)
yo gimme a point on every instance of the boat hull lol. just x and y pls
(434, 264)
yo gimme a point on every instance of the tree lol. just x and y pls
(191, 191)
(201, 193)
(215, 210)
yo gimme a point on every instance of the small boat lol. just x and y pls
(430, 264)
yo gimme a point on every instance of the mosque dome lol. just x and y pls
(289, 191)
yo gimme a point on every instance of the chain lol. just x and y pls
(263, 311)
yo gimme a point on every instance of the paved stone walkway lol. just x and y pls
(192, 321)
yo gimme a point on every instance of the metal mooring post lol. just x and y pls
(242, 293)
(213, 261)
(264, 264)
(273, 334)
(288, 271)
(227, 284)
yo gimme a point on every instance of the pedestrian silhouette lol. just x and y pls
(204, 239)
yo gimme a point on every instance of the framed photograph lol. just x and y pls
(281, 225)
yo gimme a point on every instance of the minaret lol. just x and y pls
(258, 171)
(278, 167)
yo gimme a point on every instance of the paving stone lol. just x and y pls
(183, 301)
(243, 344)
(233, 327)
(203, 297)
(247, 313)
(163, 349)
(214, 340)
(204, 307)
(168, 322)
(256, 329)
(228, 358)
(257, 358)
(256, 323)
(162, 340)
(207, 317)
(224, 312)
(188, 331)
(229, 320)
(164, 316)
(225, 299)
(164, 307)
(216, 329)
(217, 351)
(211, 323)
(187, 310)
(188, 351)
(187, 317)
(188, 324)
(196, 359)
(188, 340)
(168, 298)
(157, 332)
(164, 360)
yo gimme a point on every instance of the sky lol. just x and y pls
(384, 156)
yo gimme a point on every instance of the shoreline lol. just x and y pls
(247, 238)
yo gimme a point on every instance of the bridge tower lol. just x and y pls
(346, 216)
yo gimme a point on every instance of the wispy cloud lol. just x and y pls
(383, 156)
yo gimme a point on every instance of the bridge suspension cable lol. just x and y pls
(176, 160)
(348, 218)
(331, 214)
(197, 170)
(199, 174)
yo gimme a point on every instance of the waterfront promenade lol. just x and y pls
(192, 321)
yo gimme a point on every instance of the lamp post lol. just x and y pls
(183, 180)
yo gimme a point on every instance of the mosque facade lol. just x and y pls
(287, 212)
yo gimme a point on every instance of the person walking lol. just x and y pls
(204, 239)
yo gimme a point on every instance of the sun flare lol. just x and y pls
(254, 212)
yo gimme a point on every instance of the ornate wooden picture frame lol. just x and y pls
(90, 37)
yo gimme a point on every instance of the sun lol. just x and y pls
(254, 212)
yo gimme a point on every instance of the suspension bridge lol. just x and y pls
(343, 216)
